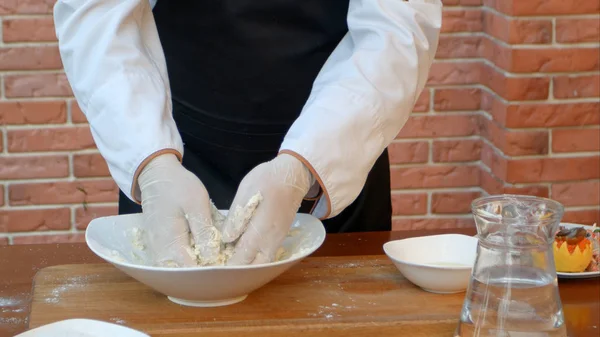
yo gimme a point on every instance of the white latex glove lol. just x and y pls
(177, 212)
(280, 184)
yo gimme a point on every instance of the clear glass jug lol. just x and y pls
(513, 290)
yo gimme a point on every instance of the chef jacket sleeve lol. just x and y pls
(363, 95)
(115, 65)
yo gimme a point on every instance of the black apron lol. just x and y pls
(240, 72)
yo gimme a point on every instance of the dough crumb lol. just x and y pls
(240, 219)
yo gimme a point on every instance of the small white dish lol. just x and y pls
(437, 263)
(112, 239)
(81, 327)
(588, 274)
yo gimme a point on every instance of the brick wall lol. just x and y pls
(512, 106)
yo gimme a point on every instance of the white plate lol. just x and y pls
(82, 328)
(589, 274)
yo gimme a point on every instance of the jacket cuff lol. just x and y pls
(135, 193)
(322, 196)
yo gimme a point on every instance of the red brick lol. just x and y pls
(543, 7)
(35, 220)
(577, 30)
(26, 6)
(583, 217)
(471, 2)
(496, 108)
(493, 185)
(452, 202)
(63, 192)
(41, 112)
(581, 193)
(90, 165)
(461, 2)
(494, 161)
(514, 143)
(524, 60)
(516, 31)
(490, 183)
(575, 140)
(50, 139)
(552, 7)
(515, 88)
(553, 169)
(552, 115)
(46, 239)
(458, 47)
(422, 104)
(430, 224)
(409, 203)
(28, 30)
(3, 241)
(408, 152)
(30, 58)
(1, 195)
(502, 6)
(446, 73)
(24, 167)
(439, 126)
(83, 216)
(528, 60)
(537, 191)
(435, 176)
(36, 85)
(77, 116)
(454, 21)
(554, 60)
(576, 86)
(462, 150)
(457, 99)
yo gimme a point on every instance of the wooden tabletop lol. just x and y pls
(19, 264)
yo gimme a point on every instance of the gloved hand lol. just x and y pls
(177, 214)
(282, 183)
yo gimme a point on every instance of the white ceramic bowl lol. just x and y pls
(111, 238)
(437, 263)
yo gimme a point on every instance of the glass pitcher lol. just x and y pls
(513, 290)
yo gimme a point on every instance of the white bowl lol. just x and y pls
(112, 238)
(437, 263)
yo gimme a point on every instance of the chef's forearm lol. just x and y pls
(115, 65)
(364, 95)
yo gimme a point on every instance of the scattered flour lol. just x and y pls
(117, 320)
(10, 320)
(9, 301)
(75, 282)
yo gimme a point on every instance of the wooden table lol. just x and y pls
(19, 264)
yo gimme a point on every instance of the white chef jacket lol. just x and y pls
(360, 100)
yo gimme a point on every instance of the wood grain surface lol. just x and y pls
(321, 296)
(19, 264)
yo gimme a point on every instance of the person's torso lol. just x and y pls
(240, 72)
(248, 61)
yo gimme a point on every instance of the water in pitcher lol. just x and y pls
(513, 290)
